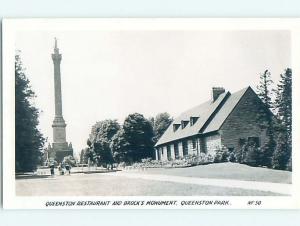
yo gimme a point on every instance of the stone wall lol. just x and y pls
(243, 122)
(212, 143)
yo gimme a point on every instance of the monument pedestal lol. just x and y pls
(58, 151)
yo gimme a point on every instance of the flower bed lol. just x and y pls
(187, 161)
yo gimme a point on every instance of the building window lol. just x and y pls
(162, 151)
(254, 140)
(193, 120)
(176, 151)
(158, 154)
(175, 127)
(184, 124)
(185, 148)
(203, 147)
(169, 152)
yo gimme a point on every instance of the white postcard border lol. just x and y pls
(11, 26)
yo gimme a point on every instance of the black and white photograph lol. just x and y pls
(149, 113)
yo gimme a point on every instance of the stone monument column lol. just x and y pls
(59, 125)
(60, 148)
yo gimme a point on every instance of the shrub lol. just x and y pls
(222, 155)
(232, 157)
(251, 154)
(179, 163)
(70, 160)
(282, 154)
(267, 152)
(239, 155)
(210, 158)
(205, 158)
(190, 160)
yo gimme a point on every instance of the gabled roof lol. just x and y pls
(211, 117)
(225, 110)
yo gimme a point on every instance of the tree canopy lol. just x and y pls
(29, 141)
(266, 117)
(135, 141)
(283, 103)
(160, 123)
(100, 138)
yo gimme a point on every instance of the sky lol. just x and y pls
(110, 74)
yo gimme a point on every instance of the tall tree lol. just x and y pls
(160, 124)
(266, 117)
(135, 141)
(264, 89)
(120, 146)
(29, 141)
(283, 104)
(100, 138)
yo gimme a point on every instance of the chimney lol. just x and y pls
(216, 92)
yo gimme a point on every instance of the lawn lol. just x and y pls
(233, 171)
(104, 185)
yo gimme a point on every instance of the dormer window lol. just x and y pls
(175, 127)
(184, 124)
(193, 120)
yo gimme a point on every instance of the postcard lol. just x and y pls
(151, 113)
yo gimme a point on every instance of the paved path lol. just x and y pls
(280, 188)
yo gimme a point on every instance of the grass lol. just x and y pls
(100, 184)
(233, 171)
(103, 185)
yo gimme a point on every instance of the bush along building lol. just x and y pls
(227, 120)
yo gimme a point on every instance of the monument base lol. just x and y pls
(58, 151)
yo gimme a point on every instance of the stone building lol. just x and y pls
(226, 120)
(60, 147)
